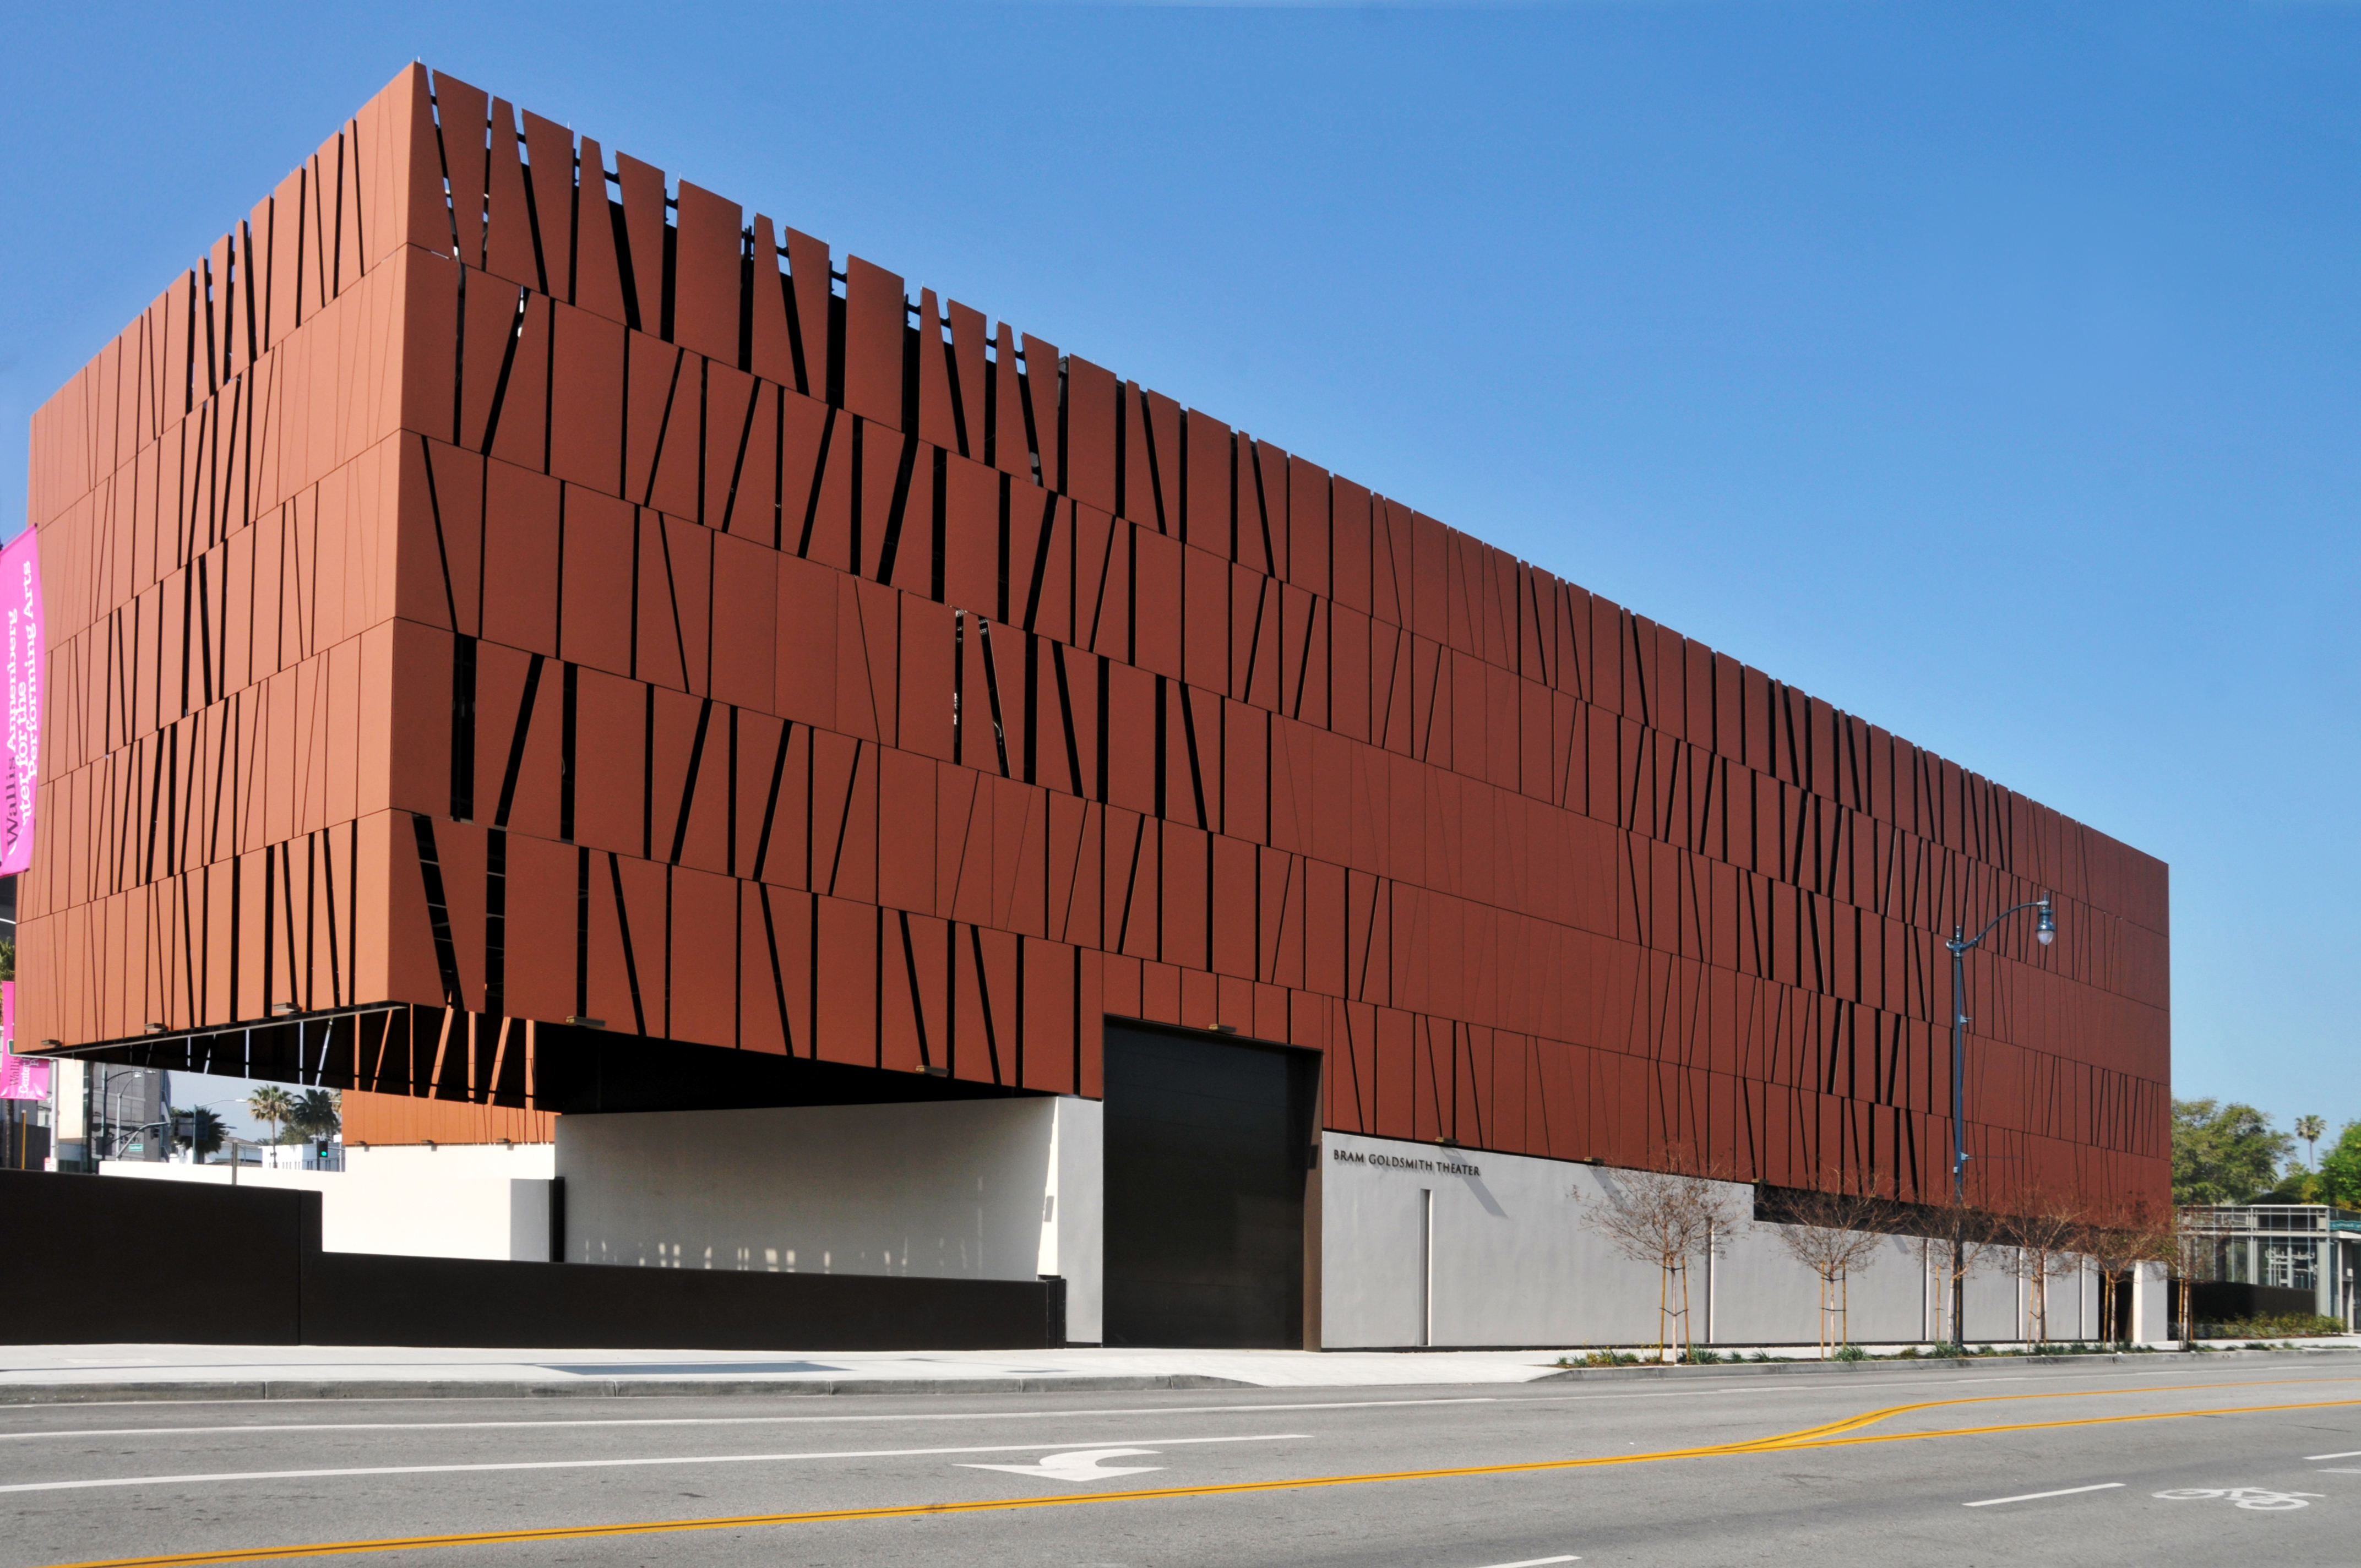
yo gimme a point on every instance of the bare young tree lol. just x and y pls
(1668, 1218)
(2044, 1240)
(2191, 1252)
(2118, 1238)
(1832, 1234)
(1959, 1243)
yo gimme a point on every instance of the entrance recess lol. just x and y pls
(1207, 1146)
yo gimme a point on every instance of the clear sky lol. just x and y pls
(1992, 372)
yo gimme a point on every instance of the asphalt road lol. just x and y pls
(2244, 1463)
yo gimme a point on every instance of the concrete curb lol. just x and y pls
(194, 1391)
(1920, 1364)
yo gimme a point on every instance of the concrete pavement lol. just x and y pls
(82, 1373)
(2096, 1463)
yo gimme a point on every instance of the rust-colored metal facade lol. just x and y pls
(486, 597)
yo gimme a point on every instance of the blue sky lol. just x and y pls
(1993, 372)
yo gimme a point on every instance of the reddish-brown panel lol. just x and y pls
(550, 147)
(808, 262)
(773, 344)
(704, 948)
(461, 112)
(541, 903)
(598, 257)
(1208, 485)
(585, 400)
(1043, 386)
(595, 582)
(508, 250)
(706, 271)
(643, 235)
(1159, 420)
(745, 623)
(1156, 598)
(971, 560)
(808, 643)
(1092, 399)
(610, 769)
(729, 403)
(522, 559)
(875, 323)
(845, 1026)
(940, 419)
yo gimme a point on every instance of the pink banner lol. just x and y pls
(20, 745)
(19, 1079)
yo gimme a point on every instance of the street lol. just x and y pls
(2114, 1462)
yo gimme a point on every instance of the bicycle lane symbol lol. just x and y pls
(2261, 1499)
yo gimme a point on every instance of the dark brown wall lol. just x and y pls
(671, 640)
(134, 1262)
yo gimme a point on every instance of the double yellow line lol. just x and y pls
(1842, 1433)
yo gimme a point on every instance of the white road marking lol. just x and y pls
(591, 1464)
(2036, 1496)
(734, 1421)
(2260, 1498)
(1084, 1464)
(2338, 1470)
(1535, 1561)
(2349, 1453)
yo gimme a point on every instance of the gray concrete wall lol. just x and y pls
(977, 1189)
(1519, 1259)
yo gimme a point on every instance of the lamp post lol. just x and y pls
(2045, 932)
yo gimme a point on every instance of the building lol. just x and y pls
(2314, 1248)
(577, 647)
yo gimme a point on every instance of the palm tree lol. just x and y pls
(317, 1113)
(272, 1104)
(209, 1132)
(2311, 1129)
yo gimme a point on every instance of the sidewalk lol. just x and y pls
(173, 1371)
(87, 1373)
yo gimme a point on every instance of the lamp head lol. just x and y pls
(2047, 931)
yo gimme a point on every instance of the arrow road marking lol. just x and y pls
(1084, 1464)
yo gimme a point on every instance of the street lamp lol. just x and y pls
(2045, 931)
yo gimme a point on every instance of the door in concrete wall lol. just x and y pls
(1206, 1145)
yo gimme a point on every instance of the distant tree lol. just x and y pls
(317, 1113)
(1834, 1234)
(8, 960)
(272, 1104)
(209, 1131)
(2311, 1129)
(1667, 1219)
(2224, 1154)
(2340, 1170)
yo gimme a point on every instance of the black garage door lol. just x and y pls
(1207, 1142)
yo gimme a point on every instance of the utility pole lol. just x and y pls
(2045, 932)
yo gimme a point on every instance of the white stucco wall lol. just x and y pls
(974, 1189)
(485, 1202)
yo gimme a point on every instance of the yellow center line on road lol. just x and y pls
(1842, 1433)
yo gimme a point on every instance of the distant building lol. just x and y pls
(2284, 1247)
